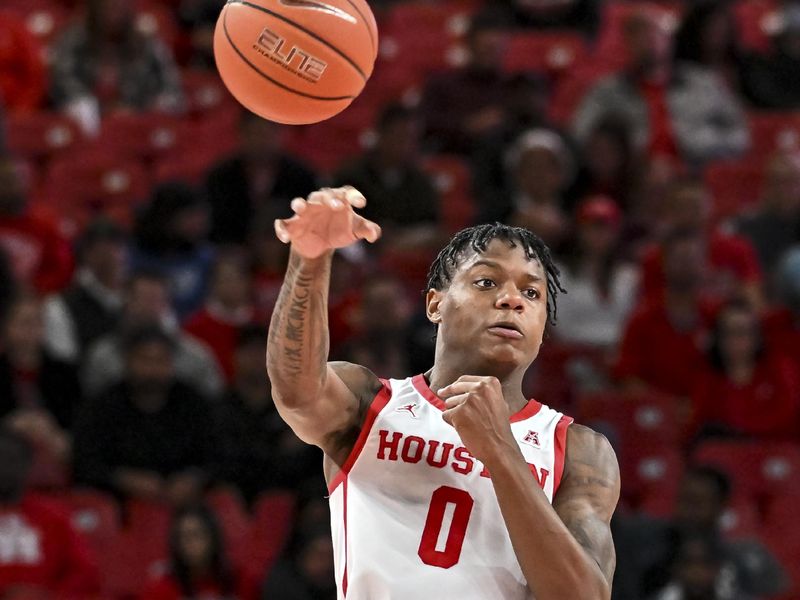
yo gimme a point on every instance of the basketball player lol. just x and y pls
(448, 484)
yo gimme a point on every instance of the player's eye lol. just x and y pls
(532, 293)
(485, 283)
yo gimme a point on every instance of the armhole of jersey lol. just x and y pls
(378, 404)
(560, 450)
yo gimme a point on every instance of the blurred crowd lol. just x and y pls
(654, 146)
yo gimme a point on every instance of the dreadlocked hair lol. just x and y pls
(477, 238)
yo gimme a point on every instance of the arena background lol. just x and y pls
(653, 146)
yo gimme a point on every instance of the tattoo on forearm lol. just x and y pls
(595, 539)
(294, 336)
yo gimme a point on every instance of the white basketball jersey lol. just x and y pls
(415, 515)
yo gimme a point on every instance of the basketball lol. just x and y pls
(295, 61)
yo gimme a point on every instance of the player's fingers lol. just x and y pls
(282, 232)
(457, 387)
(326, 197)
(354, 197)
(447, 416)
(455, 401)
(299, 206)
(366, 230)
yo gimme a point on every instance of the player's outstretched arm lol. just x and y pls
(316, 398)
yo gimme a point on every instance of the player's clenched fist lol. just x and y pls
(476, 408)
(326, 221)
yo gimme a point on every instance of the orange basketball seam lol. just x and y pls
(306, 31)
(264, 75)
(366, 24)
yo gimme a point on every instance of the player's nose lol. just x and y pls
(509, 298)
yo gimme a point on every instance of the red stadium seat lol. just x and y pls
(741, 519)
(96, 515)
(762, 470)
(755, 20)
(772, 131)
(129, 563)
(551, 52)
(142, 135)
(651, 474)
(234, 520)
(45, 19)
(40, 135)
(735, 186)
(273, 517)
(206, 94)
(453, 181)
(84, 184)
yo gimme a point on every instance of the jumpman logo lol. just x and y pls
(409, 408)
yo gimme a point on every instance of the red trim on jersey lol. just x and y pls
(378, 404)
(560, 450)
(526, 412)
(344, 511)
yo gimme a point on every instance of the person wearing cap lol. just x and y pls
(771, 80)
(541, 167)
(602, 287)
(676, 110)
(90, 307)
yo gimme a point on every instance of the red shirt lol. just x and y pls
(662, 140)
(167, 588)
(768, 406)
(38, 547)
(782, 333)
(38, 254)
(729, 256)
(655, 352)
(22, 73)
(220, 334)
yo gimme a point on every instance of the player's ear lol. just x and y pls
(433, 300)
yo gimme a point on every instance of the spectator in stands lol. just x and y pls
(40, 257)
(307, 571)
(661, 348)
(746, 389)
(541, 167)
(699, 572)
(90, 307)
(149, 436)
(582, 15)
(269, 258)
(733, 265)
(42, 553)
(255, 449)
(198, 562)
(675, 110)
(707, 38)
(8, 284)
(382, 320)
(400, 195)
(147, 304)
(770, 81)
(229, 307)
(782, 324)
(38, 393)
(525, 107)
(775, 226)
(105, 63)
(259, 179)
(601, 286)
(460, 106)
(198, 19)
(22, 73)
(172, 236)
(610, 165)
(647, 549)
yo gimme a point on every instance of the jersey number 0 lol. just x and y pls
(429, 546)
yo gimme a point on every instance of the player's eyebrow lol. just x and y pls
(485, 262)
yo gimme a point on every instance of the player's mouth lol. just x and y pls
(506, 329)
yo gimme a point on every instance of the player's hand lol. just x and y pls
(476, 408)
(326, 221)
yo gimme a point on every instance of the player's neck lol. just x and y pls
(439, 376)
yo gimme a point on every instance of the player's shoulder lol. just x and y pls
(360, 380)
(585, 446)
